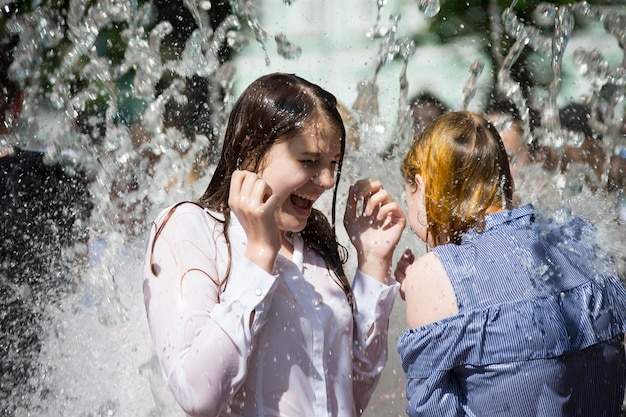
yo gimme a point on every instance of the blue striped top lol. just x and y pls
(539, 327)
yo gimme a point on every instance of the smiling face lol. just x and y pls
(299, 169)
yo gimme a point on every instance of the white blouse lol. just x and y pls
(285, 344)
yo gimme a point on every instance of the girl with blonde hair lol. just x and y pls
(509, 313)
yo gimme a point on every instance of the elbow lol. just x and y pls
(196, 399)
(197, 404)
(200, 411)
(201, 385)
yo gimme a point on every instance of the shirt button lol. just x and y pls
(258, 291)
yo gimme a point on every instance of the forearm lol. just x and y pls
(202, 327)
(201, 384)
(205, 354)
(375, 267)
(374, 303)
(436, 396)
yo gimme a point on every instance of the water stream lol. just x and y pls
(120, 100)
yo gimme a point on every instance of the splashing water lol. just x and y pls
(430, 8)
(470, 88)
(95, 357)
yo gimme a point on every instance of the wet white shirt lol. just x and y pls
(285, 344)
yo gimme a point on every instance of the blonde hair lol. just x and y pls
(466, 174)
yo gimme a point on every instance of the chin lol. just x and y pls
(298, 228)
(292, 225)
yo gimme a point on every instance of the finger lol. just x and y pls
(271, 203)
(393, 221)
(365, 188)
(362, 184)
(252, 186)
(367, 185)
(407, 258)
(260, 191)
(375, 200)
(405, 261)
(398, 273)
(236, 182)
(248, 191)
(390, 212)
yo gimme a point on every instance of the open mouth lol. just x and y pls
(302, 203)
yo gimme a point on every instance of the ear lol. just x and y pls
(419, 188)
(419, 181)
(18, 104)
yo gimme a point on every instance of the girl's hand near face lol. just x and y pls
(374, 229)
(254, 204)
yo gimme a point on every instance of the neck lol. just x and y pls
(286, 247)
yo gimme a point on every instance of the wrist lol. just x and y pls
(375, 267)
(263, 256)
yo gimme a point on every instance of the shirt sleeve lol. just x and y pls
(202, 337)
(373, 305)
(436, 396)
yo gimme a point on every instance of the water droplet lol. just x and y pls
(430, 8)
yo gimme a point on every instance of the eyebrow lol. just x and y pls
(317, 154)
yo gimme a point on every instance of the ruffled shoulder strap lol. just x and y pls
(525, 330)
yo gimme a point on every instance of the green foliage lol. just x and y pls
(481, 20)
(472, 18)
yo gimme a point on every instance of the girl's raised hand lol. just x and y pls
(374, 223)
(254, 204)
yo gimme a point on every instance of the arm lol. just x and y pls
(373, 305)
(428, 293)
(432, 388)
(374, 231)
(438, 395)
(202, 345)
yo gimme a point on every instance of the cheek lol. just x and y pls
(411, 203)
(416, 215)
(411, 212)
(284, 182)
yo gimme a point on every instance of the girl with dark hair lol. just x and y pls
(249, 308)
(509, 314)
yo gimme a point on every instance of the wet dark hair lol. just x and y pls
(426, 98)
(496, 104)
(575, 117)
(425, 108)
(277, 107)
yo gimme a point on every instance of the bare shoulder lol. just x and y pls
(428, 293)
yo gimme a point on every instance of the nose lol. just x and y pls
(324, 178)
